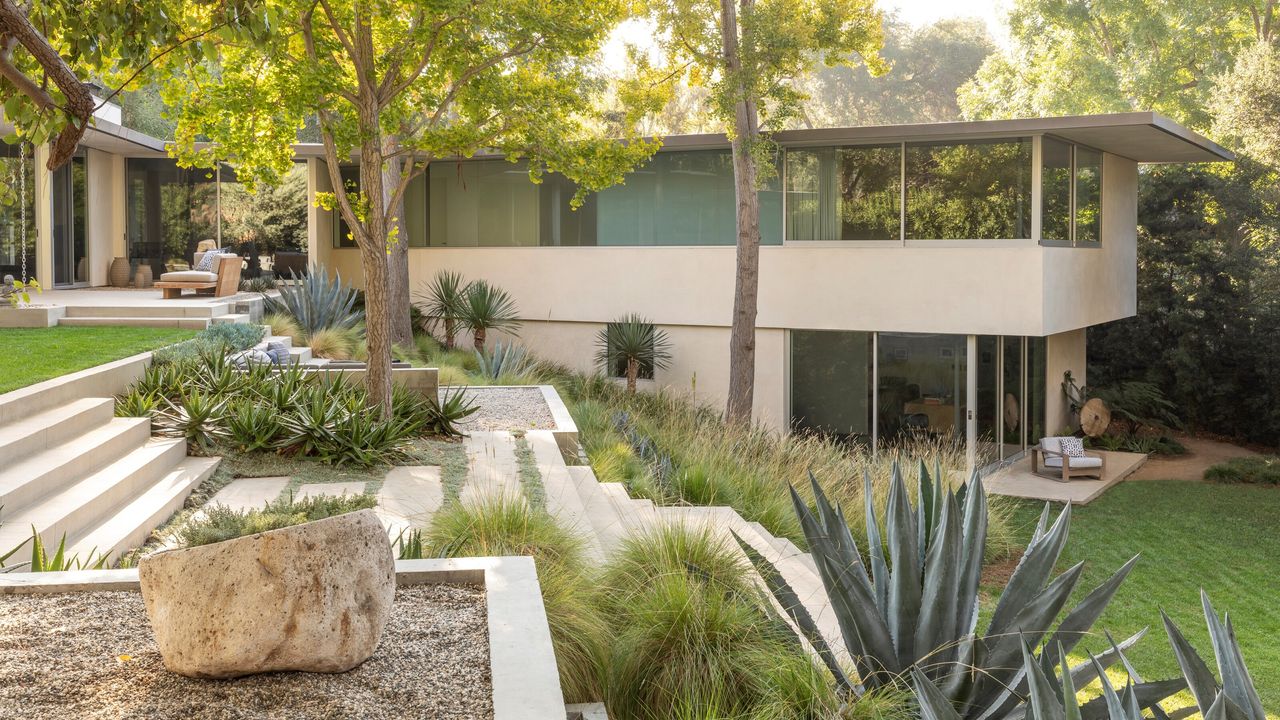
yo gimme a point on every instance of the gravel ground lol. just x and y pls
(90, 656)
(509, 408)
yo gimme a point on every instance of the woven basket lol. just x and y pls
(118, 275)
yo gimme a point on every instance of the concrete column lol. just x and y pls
(1063, 351)
(101, 211)
(43, 270)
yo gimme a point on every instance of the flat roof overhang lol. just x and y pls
(1144, 137)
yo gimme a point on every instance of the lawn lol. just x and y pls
(35, 355)
(1190, 535)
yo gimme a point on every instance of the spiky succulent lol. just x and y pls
(317, 302)
(915, 610)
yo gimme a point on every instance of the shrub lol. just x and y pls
(454, 406)
(441, 303)
(507, 364)
(260, 284)
(509, 526)
(331, 422)
(633, 345)
(195, 417)
(689, 638)
(253, 425)
(1258, 469)
(219, 522)
(452, 375)
(317, 302)
(217, 339)
(135, 403)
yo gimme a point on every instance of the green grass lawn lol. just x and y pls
(34, 355)
(1224, 538)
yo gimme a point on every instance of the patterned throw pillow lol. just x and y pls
(1072, 447)
(210, 260)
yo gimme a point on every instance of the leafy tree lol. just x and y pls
(50, 49)
(273, 218)
(1246, 104)
(750, 54)
(928, 64)
(397, 85)
(1089, 57)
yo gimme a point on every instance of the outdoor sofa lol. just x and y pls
(220, 276)
(1049, 459)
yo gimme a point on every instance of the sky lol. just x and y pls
(916, 12)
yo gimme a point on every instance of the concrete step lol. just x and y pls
(157, 309)
(157, 322)
(607, 524)
(230, 319)
(787, 549)
(563, 501)
(635, 516)
(27, 481)
(129, 525)
(37, 432)
(77, 507)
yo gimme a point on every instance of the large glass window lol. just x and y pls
(1055, 193)
(682, 198)
(70, 246)
(1088, 195)
(973, 190)
(848, 193)
(1037, 379)
(922, 384)
(18, 174)
(831, 383)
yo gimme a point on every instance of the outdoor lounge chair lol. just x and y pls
(1048, 460)
(223, 280)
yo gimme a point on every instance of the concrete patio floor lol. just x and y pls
(126, 297)
(1017, 480)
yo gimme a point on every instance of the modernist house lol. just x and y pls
(930, 278)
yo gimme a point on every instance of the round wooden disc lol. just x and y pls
(1094, 417)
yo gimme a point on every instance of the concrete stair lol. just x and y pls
(178, 314)
(103, 482)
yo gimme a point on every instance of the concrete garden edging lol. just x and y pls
(522, 661)
(104, 380)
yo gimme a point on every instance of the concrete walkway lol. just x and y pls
(491, 466)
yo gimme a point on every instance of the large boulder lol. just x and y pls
(313, 597)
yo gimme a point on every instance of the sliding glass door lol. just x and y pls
(70, 245)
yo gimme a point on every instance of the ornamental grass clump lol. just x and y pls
(498, 526)
(689, 636)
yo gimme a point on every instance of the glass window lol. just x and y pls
(975, 190)
(1055, 194)
(849, 193)
(1088, 195)
(483, 203)
(1037, 380)
(831, 383)
(682, 198)
(19, 174)
(922, 384)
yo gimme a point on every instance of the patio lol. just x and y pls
(146, 307)
(1017, 480)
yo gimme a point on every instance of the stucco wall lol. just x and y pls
(1063, 352)
(104, 176)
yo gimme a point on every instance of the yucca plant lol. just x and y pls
(253, 426)
(317, 302)
(486, 307)
(1052, 695)
(441, 302)
(196, 417)
(454, 406)
(509, 360)
(916, 607)
(635, 345)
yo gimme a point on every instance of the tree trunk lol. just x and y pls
(633, 370)
(450, 333)
(742, 336)
(478, 339)
(398, 254)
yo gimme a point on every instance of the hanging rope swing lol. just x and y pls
(22, 204)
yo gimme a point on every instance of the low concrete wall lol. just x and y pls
(522, 660)
(425, 381)
(31, 317)
(100, 381)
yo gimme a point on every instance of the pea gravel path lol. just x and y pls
(60, 658)
(509, 408)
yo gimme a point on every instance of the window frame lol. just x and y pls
(1073, 206)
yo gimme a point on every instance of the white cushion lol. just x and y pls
(189, 276)
(1052, 444)
(1076, 462)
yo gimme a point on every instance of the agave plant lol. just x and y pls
(196, 417)
(633, 344)
(454, 406)
(441, 302)
(1053, 696)
(317, 302)
(510, 360)
(916, 608)
(42, 562)
(486, 307)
